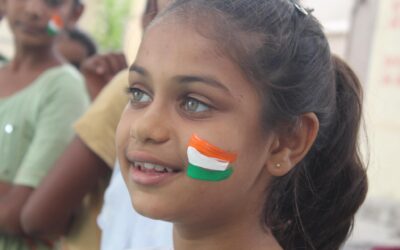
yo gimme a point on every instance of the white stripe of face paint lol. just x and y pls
(54, 26)
(198, 159)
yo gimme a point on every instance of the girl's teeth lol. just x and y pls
(159, 168)
(149, 166)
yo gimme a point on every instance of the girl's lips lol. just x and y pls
(146, 169)
(142, 156)
(150, 177)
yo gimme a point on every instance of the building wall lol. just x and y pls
(335, 17)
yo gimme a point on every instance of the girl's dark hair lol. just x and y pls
(284, 52)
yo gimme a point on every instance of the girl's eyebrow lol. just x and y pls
(139, 70)
(184, 79)
(209, 80)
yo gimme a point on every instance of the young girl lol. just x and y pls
(40, 97)
(242, 128)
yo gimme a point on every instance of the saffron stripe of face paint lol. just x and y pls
(199, 173)
(210, 150)
(198, 159)
(55, 25)
(208, 162)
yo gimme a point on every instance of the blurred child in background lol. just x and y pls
(40, 97)
(84, 167)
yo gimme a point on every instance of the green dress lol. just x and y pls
(35, 128)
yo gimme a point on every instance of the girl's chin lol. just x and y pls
(153, 209)
(156, 215)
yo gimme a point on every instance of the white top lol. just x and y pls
(123, 228)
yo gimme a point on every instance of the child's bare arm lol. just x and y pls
(12, 200)
(50, 208)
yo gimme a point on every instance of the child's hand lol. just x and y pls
(98, 70)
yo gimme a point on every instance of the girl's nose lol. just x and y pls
(152, 126)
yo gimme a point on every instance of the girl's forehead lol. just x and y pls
(172, 48)
(174, 34)
(173, 37)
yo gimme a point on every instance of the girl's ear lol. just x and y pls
(290, 147)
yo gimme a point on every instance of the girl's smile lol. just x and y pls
(148, 170)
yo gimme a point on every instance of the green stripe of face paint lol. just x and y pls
(51, 31)
(203, 174)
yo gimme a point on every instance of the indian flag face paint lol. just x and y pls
(208, 162)
(55, 25)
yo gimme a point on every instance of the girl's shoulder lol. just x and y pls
(62, 78)
(61, 72)
(65, 80)
(54, 79)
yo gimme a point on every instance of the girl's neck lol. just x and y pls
(237, 235)
(35, 58)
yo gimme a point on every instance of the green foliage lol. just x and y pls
(110, 26)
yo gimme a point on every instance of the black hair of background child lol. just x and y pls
(84, 39)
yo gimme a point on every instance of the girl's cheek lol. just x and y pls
(122, 135)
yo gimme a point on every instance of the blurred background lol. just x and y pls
(366, 33)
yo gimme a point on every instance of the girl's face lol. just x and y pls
(29, 18)
(180, 85)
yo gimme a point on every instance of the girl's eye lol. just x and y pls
(138, 95)
(194, 106)
(53, 3)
